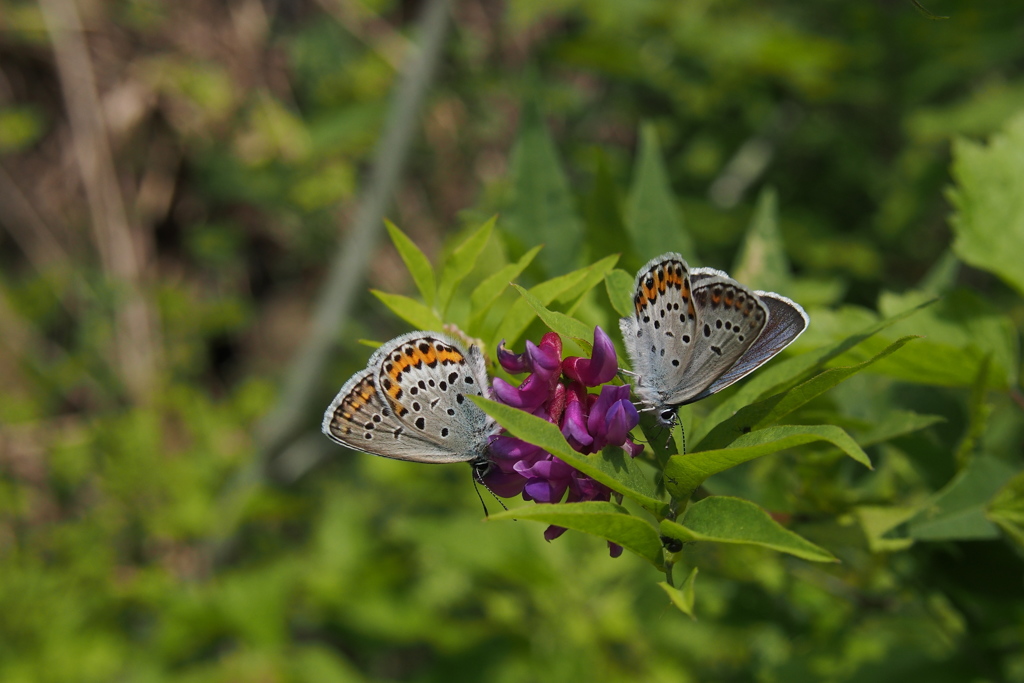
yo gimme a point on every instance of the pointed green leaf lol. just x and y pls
(960, 330)
(989, 218)
(876, 521)
(652, 216)
(683, 597)
(779, 374)
(896, 423)
(612, 467)
(461, 262)
(560, 322)
(941, 276)
(722, 519)
(607, 520)
(593, 275)
(762, 262)
(488, 291)
(619, 284)
(684, 473)
(411, 311)
(414, 259)
(978, 413)
(1007, 509)
(958, 511)
(542, 208)
(605, 230)
(772, 409)
(561, 289)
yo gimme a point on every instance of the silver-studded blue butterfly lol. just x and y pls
(695, 332)
(410, 403)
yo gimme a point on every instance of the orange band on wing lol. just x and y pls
(661, 277)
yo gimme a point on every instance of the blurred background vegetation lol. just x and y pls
(174, 178)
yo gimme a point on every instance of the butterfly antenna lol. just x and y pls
(478, 479)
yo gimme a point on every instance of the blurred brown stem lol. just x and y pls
(295, 410)
(120, 251)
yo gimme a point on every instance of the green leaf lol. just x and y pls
(958, 511)
(652, 216)
(942, 275)
(612, 467)
(896, 423)
(989, 218)
(925, 12)
(773, 408)
(604, 224)
(593, 275)
(723, 519)
(683, 597)
(762, 262)
(876, 521)
(1007, 509)
(979, 411)
(418, 265)
(562, 288)
(488, 291)
(411, 311)
(461, 263)
(542, 208)
(607, 520)
(684, 473)
(619, 285)
(779, 374)
(960, 330)
(561, 323)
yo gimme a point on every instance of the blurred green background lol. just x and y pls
(172, 188)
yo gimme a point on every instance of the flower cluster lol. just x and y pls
(556, 390)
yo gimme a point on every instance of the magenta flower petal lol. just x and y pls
(584, 488)
(507, 451)
(514, 363)
(504, 484)
(598, 422)
(621, 418)
(544, 491)
(553, 532)
(546, 357)
(505, 392)
(551, 469)
(614, 549)
(556, 404)
(528, 396)
(599, 368)
(634, 449)
(574, 423)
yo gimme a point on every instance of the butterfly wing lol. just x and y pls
(729, 320)
(660, 335)
(786, 321)
(382, 410)
(360, 419)
(425, 378)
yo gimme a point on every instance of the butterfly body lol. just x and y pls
(410, 403)
(694, 332)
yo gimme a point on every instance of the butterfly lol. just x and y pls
(410, 403)
(695, 332)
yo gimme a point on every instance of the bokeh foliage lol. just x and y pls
(240, 132)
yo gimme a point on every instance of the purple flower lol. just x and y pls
(612, 417)
(544, 358)
(574, 423)
(599, 368)
(589, 422)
